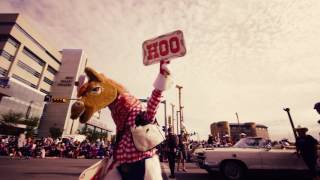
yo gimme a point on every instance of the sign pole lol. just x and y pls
(291, 122)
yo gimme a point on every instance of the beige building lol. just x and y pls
(251, 129)
(57, 114)
(30, 64)
(220, 129)
(35, 69)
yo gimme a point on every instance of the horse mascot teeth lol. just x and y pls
(126, 162)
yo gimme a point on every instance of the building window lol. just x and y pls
(28, 69)
(6, 55)
(33, 56)
(36, 42)
(52, 70)
(48, 81)
(23, 80)
(3, 71)
(9, 39)
(14, 42)
(30, 37)
(44, 91)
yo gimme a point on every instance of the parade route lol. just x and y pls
(70, 169)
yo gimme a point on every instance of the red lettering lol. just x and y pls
(174, 45)
(163, 47)
(152, 51)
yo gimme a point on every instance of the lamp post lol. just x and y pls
(178, 112)
(165, 116)
(172, 115)
(180, 107)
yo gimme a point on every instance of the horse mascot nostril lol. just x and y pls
(127, 161)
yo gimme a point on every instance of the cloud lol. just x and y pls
(250, 57)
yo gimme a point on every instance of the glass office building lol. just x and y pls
(30, 64)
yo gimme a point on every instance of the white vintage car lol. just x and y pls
(246, 155)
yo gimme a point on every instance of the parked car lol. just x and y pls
(248, 154)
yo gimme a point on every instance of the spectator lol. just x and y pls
(306, 146)
(14, 147)
(210, 140)
(172, 141)
(182, 155)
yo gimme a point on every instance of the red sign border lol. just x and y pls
(146, 63)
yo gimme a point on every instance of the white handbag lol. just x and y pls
(146, 137)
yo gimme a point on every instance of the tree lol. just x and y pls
(12, 117)
(32, 124)
(55, 132)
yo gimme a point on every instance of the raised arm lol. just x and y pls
(153, 104)
(162, 83)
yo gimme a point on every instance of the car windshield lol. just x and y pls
(251, 143)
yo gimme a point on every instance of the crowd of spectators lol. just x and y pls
(21, 147)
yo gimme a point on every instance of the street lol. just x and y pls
(69, 169)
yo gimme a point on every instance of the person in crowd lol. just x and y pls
(21, 144)
(172, 144)
(182, 154)
(210, 140)
(306, 147)
(317, 108)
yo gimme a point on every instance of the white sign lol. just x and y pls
(164, 47)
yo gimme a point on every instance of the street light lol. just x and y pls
(180, 107)
(172, 115)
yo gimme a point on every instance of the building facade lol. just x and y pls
(29, 63)
(34, 69)
(220, 129)
(250, 129)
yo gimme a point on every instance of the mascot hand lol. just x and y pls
(164, 80)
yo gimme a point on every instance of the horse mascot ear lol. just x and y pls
(94, 95)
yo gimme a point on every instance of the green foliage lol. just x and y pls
(18, 118)
(93, 136)
(32, 122)
(12, 117)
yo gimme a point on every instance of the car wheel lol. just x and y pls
(232, 170)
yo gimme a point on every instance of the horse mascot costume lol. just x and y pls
(126, 162)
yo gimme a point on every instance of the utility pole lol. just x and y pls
(172, 115)
(165, 116)
(178, 112)
(164, 102)
(180, 107)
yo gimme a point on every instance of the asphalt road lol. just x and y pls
(64, 169)
(70, 169)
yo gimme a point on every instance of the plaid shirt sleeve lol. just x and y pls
(153, 104)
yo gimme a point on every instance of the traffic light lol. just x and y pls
(58, 100)
(163, 128)
(47, 98)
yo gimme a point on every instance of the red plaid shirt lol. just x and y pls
(124, 111)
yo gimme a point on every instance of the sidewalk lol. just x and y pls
(193, 172)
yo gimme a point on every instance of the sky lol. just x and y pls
(250, 57)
